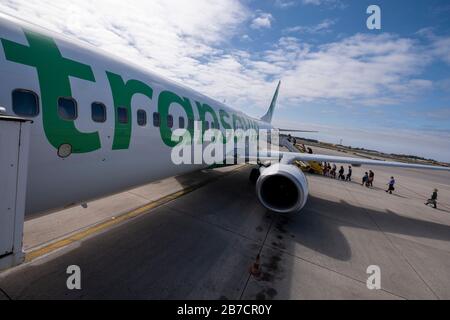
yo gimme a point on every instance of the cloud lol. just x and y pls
(441, 48)
(167, 36)
(362, 69)
(285, 3)
(172, 39)
(438, 46)
(328, 3)
(263, 20)
(313, 2)
(246, 38)
(322, 27)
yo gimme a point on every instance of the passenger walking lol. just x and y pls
(391, 185)
(341, 173)
(365, 179)
(433, 199)
(333, 171)
(325, 169)
(371, 178)
(349, 174)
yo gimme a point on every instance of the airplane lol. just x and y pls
(102, 125)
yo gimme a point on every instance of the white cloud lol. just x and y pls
(329, 3)
(263, 20)
(362, 69)
(313, 2)
(246, 38)
(167, 36)
(173, 39)
(285, 3)
(322, 27)
(441, 47)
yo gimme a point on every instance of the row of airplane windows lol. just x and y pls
(25, 103)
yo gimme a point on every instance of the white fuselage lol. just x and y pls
(121, 161)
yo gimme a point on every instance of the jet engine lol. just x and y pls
(282, 188)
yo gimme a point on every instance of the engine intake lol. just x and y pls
(282, 188)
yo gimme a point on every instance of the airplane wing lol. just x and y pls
(290, 157)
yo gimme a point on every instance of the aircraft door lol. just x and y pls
(9, 157)
(14, 134)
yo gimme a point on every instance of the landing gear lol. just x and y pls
(254, 175)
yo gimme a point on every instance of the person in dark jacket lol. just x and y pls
(433, 199)
(349, 174)
(365, 179)
(371, 178)
(341, 173)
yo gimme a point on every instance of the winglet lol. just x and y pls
(268, 116)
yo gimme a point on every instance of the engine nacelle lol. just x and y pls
(282, 188)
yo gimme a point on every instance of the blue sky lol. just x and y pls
(385, 89)
(325, 22)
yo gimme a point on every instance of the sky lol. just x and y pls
(386, 89)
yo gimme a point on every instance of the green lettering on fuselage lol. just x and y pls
(165, 101)
(53, 72)
(123, 94)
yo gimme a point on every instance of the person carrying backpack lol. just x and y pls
(433, 199)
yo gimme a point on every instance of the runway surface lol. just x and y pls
(201, 246)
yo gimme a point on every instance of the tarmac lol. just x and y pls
(197, 236)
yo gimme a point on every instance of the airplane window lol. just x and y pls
(170, 121)
(122, 114)
(156, 119)
(142, 118)
(67, 108)
(25, 103)
(98, 111)
(181, 122)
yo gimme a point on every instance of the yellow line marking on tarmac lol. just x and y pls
(34, 254)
